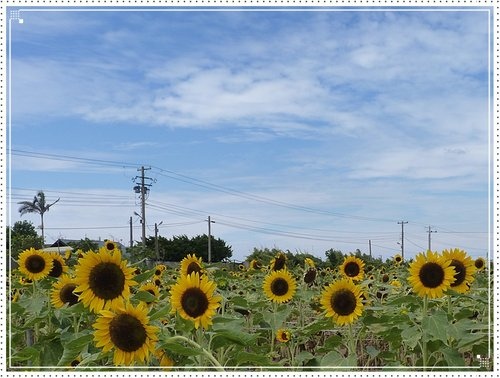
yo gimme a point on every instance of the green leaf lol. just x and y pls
(303, 358)
(318, 326)
(27, 354)
(236, 337)
(243, 358)
(335, 359)
(51, 353)
(240, 302)
(227, 322)
(470, 339)
(34, 303)
(177, 347)
(140, 278)
(159, 314)
(74, 348)
(452, 357)
(372, 351)
(411, 336)
(144, 296)
(436, 325)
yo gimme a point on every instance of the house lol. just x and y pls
(62, 245)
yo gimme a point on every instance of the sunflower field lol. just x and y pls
(95, 311)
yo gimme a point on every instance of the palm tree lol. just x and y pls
(37, 206)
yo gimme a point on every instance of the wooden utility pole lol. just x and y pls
(157, 249)
(131, 234)
(402, 223)
(209, 240)
(430, 232)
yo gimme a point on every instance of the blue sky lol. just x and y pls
(360, 118)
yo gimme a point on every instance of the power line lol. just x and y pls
(202, 183)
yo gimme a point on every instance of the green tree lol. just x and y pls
(335, 257)
(23, 236)
(38, 205)
(263, 255)
(178, 247)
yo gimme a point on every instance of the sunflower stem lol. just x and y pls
(424, 335)
(352, 343)
(207, 354)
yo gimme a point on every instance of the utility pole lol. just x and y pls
(209, 240)
(370, 247)
(143, 189)
(157, 249)
(429, 231)
(402, 223)
(131, 234)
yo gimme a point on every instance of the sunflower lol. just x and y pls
(193, 298)
(15, 295)
(353, 268)
(395, 283)
(279, 262)
(310, 276)
(385, 278)
(152, 289)
(159, 269)
(62, 292)
(67, 254)
(163, 359)
(398, 259)
(279, 286)
(75, 362)
(342, 301)
(255, 264)
(283, 335)
(25, 281)
(431, 274)
(59, 266)
(464, 269)
(309, 262)
(128, 332)
(242, 267)
(480, 263)
(110, 245)
(34, 264)
(190, 264)
(103, 279)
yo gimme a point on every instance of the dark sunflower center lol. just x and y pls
(385, 278)
(279, 263)
(110, 246)
(479, 263)
(351, 269)
(107, 280)
(66, 294)
(431, 275)
(75, 363)
(127, 332)
(310, 276)
(57, 268)
(193, 267)
(194, 302)
(284, 336)
(459, 272)
(343, 302)
(398, 259)
(35, 264)
(157, 272)
(279, 287)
